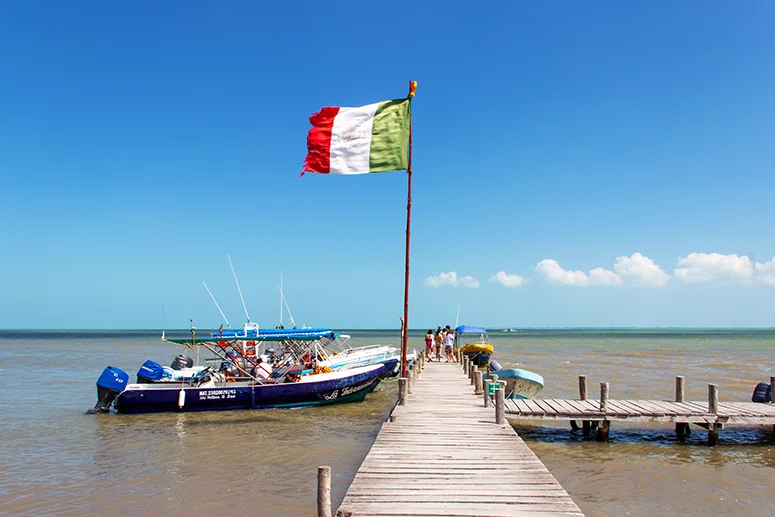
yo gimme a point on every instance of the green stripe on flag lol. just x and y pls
(389, 149)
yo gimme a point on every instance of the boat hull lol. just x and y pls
(479, 353)
(520, 384)
(158, 398)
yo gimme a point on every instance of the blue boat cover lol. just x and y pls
(151, 370)
(469, 329)
(113, 378)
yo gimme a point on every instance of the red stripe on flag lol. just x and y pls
(319, 141)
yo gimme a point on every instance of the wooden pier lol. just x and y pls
(712, 414)
(442, 454)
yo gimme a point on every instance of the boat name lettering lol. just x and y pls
(352, 389)
(217, 394)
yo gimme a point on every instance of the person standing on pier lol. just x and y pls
(439, 342)
(429, 345)
(449, 338)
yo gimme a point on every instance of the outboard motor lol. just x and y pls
(762, 393)
(181, 362)
(149, 372)
(495, 366)
(112, 382)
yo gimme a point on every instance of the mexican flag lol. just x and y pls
(371, 138)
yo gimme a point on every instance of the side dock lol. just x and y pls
(442, 454)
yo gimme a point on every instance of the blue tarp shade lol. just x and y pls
(468, 329)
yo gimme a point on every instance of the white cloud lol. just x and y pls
(551, 270)
(508, 280)
(642, 270)
(452, 279)
(765, 273)
(705, 267)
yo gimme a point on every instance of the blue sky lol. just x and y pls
(141, 142)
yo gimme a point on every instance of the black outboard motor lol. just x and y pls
(762, 393)
(112, 382)
(181, 362)
(150, 371)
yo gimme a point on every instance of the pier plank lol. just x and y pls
(443, 455)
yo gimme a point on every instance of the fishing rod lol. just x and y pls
(216, 304)
(238, 289)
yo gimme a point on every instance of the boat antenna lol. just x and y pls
(216, 304)
(290, 316)
(238, 289)
(457, 318)
(281, 300)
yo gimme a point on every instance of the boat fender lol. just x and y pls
(182, 399)
(495, 366)
(762, 393)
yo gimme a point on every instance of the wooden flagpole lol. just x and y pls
(405, 324)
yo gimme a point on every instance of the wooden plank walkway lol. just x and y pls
(443, 455)
(750, 413)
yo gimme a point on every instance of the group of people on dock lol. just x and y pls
(443, 339)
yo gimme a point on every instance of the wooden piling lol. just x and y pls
(603, 396)
(402, 391)
(713, 408)
(772, 390)
(410, 381)
(465, 364)
(681, 428)
(713, 399)
(602, 431)
(500, 410)
(471, 369)
(324, 491)
(583, 395)
(478, 382)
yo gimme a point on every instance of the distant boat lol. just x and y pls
(509, 330)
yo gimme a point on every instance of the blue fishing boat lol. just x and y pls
(243, 372)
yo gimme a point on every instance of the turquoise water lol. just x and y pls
(54, 460)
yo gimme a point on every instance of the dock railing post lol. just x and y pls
(583, 395)
(604, 426)
(410, 379)
(713, 408)
(681, 428)
(492, 378)
(465, 365)
(324, 491)
(772, 391)
(402, 391)
(471, 369)
(500, 409)
(478, 382)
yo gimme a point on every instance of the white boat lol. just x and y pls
(520, 384)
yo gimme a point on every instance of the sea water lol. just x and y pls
(55, 460)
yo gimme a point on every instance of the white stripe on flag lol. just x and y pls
(351, 139)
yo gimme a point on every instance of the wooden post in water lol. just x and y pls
(772, 390)
(402, 391)
(582, 396)
(324, 491)
(681, 428)
(478, 382)
(713, 408)
(605, 425)
(500, 406)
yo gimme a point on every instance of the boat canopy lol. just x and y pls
(266, 335)
(469, 329)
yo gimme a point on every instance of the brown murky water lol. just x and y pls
(54, 460)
